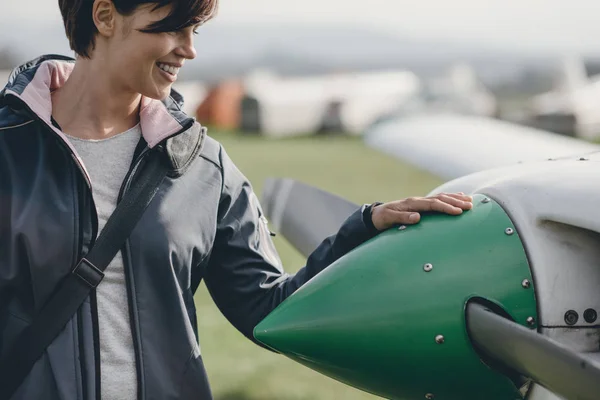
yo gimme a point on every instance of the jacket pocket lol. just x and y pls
(194, 383)
(39, 384)
(11, 326)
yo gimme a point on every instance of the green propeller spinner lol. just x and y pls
(389, 317)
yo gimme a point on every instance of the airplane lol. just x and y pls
(572, 107)
(500, 302)
(278, 106)
(458, 90)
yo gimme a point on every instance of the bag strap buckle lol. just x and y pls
(88, 273)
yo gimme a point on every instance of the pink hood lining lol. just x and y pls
(155, 120)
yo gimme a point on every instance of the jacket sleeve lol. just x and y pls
(244, 274)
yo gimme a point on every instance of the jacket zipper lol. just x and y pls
(78, 247)
(129, 279)
(77, 252)
(80, 244)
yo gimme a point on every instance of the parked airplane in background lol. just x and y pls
(572, 107)
(459, 90)
(341, 102)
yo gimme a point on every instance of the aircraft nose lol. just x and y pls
(389, 317)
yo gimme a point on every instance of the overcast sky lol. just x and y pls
(519, 24)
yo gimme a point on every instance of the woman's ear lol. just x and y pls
(104, 15)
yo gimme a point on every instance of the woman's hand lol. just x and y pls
(406, 211)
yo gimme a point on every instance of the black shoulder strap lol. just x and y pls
(86, 275)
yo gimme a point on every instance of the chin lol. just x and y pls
(158, 94)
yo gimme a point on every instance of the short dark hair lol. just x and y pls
(81, 30)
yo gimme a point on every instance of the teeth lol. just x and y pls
(167, 68)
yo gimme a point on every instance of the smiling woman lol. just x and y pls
(142, 44)
(78, 137)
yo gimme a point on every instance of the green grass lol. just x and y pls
(237, 368)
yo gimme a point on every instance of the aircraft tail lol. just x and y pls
(572, 74)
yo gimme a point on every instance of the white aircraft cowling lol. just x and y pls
(554, 206)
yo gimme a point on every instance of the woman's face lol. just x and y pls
(146, 63)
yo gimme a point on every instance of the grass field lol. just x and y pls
(237, 368)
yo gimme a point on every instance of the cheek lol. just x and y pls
(145, 48)
(136, 62)
(156, 46)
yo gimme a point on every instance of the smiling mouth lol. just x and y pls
(169, 69)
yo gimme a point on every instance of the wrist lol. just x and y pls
(368, 217)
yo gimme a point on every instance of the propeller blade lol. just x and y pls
(549, 363)
(303, 214)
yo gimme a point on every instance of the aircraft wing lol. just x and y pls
(451, 146)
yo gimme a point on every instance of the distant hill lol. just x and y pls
(229, 51)
(296, 50)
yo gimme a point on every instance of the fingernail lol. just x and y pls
(413, 217)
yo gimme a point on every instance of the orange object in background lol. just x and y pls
(221, 107)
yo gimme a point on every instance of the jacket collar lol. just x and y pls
(33, 82)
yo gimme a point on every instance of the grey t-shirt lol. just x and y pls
(107, 162)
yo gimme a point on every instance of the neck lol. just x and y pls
(90, 105)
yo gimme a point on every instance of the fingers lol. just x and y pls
(385, 217)
(439, 205)
(459, 196)
(432, 204)
(457, 200)
(449, 203)
(404, 218)
(407, 211)
(390, 217)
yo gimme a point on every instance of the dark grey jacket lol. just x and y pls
(204, 223)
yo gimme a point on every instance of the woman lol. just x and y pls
(73, 136)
